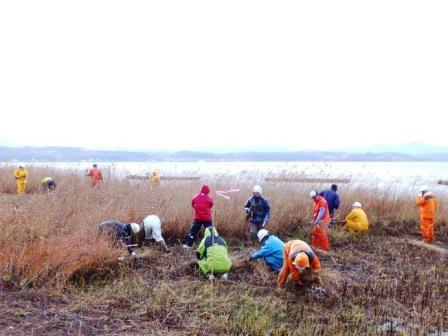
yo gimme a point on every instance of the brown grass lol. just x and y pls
(49, 243)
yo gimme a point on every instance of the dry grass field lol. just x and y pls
(57, 276)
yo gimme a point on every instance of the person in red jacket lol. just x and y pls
(321, 219)
(95, 175)
(202, 205)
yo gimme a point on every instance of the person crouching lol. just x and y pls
(298, 257)
(153, 230)
(271, 250)
(213, 258)
(121, 233)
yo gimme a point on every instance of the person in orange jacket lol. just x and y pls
(95, 175)
(321, 219)
(428, 206)
(298, 257)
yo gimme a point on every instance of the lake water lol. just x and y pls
(401, 175)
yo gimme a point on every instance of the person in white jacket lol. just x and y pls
(153, 230)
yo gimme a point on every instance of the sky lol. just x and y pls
(223, 74)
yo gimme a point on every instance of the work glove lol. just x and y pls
(265, 223)
(133, 254)
(247, 210)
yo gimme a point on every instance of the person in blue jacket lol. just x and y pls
(271, 250)
(332, 198)
(258, 212)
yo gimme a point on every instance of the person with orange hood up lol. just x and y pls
(298, 257)
(95, 175)
(321, 218)
(428, 206)
(202, 205)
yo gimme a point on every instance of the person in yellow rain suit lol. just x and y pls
(155, 178)
(428, 206)
(20, 175)
(356, 220)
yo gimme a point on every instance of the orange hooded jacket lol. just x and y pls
(290, 248)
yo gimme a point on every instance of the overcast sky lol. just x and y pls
(208, 74)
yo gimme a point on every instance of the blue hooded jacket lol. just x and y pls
(332, 199)
(272, 252)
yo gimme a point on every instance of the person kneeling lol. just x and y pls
(153, 230)
(356, 220)
(213, 258)
(121, 233)
(271, 250)
(298, 258)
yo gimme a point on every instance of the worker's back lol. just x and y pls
(357, 220)
(299, 245)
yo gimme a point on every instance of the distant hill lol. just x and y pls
(415, 148)
(70, 154)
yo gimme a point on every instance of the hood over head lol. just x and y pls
(205, 189)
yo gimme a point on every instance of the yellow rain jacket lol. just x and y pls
(155, 178)
(20, 174)
(357, 221)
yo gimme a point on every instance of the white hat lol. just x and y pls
(313, 193)
(262, 233)
(357, 205)
(424, 188)
(257, 189)
(135, 228)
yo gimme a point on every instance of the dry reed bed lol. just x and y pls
(370, 284)
(44, 235)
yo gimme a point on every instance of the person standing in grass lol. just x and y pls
(271, 250)
(298, 258)
(333, 201)
(428, 206)
(356, 220)
(202, 204)
(20, 175)
(321, 218)
(121, 232)
(258, 212)
(213, 258)
(95, 175)
(155, 178)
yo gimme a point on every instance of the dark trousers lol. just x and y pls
(51, 185)
(331, 218)
(194, 231)
(254, 228)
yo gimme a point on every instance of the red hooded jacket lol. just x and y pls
(202, 205)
